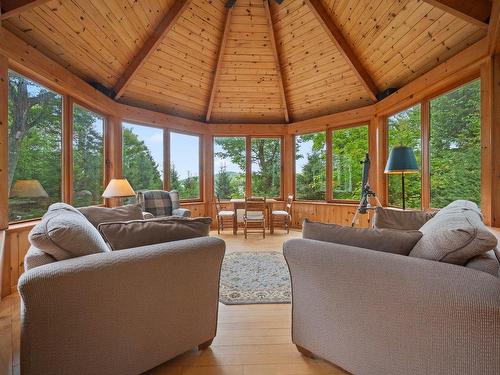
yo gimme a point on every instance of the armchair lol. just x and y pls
(158, 203)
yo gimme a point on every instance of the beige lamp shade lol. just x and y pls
(28, 189)
(117, 188)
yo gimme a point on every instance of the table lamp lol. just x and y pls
(28, 189)
(118, 188)
(401, 161)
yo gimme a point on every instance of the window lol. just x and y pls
(185, 165)
(35, 141)
(142, 156)
(349, 147)
(266, 167)
(229, 167)
(88, 157)
(455, 146)
(310, 166)
(404, 130)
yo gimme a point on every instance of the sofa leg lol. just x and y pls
(305, 352)
(205, 344)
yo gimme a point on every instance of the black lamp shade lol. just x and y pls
(401, 160)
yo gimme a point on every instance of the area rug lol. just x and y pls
(254, 277)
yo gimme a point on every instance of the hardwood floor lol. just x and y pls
(251, 339)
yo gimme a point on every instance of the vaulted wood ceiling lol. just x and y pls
(255, 62)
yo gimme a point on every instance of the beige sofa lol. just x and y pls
(375, 312)
(118, 312)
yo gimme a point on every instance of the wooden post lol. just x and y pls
(495, 140)
(486, 145)
(166, 159)
(329, 165)
(248, 172)
(67, 149)
(208, 173)
(425, 118)
(112, 153)
(4, 146)
(288, 165)
(378, 154)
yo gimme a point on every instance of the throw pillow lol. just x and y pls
(397, 219)
(124, 235)
(386, 240)
(65, 233)
(97, 215)
(454, 236)
(486, 262)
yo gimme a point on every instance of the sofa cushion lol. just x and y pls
(486, 262)
(386, 240)
(97, 215)
(64, 233)
(135, 233)
(390, 218)
(455, 235)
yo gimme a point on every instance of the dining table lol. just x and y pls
(239, 204)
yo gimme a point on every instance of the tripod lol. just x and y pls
(366, 193)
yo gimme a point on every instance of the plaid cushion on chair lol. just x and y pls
(156, 202)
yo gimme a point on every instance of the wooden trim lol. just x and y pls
(494, 29)
(166, 159)
(335, 34)
(382, 154)
(12, 8)
(329, 165)
(220, 57)
(272, 37)
(247, 129)
(487, 151)
(248, 166)
(67, 150)
(495, 140)
(4, 139)
(476, 12)
(288, 165)
(150, 46)
(425, 126)
(208, 180)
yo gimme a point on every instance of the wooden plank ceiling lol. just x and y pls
(253, 62)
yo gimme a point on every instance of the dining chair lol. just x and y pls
(222, 215)
(283, 216)
(255, 215)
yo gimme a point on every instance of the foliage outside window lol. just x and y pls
(142, 156)
(404, 130)
(455, 146)
(310, 166)
(34, 141)
(266, 167)
(349, 147)
(185, 165)
(229, 167)
(88, 157)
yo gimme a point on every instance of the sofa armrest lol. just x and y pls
(120, 312)
(391, 218)
(147, 215)
(182, 212)
(405, 310)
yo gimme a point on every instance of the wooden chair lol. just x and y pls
(222, 215)
(283, 216)
(255, 214)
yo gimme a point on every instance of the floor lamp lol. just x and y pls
(401, 161)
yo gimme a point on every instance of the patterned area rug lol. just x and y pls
(254, 277)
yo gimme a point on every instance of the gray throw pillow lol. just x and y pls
(391, 218)
(65, 233)
(454, 236)
(97, 215)
(135, 233)
(386, 240)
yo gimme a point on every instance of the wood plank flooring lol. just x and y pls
(251, 339)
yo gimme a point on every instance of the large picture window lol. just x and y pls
(185, 165)
(455, 146)
(310, 166)
(349, 147)
(35, 141)
(142, 156)
(88, 157)
(404, 130)
(229, 167)
(266, 167)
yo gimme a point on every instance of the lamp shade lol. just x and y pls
(117, 188)
(401, 160)
(28, 189)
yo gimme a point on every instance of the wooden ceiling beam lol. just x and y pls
(11, 8)
(476, 12)
(345, 49)
(150, 46)
(222, 47)
(274, 46)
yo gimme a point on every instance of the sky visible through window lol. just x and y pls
(153, 139)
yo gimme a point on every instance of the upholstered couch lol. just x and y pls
(378, 312)
(114, 312)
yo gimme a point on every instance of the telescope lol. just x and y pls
(366, 191)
